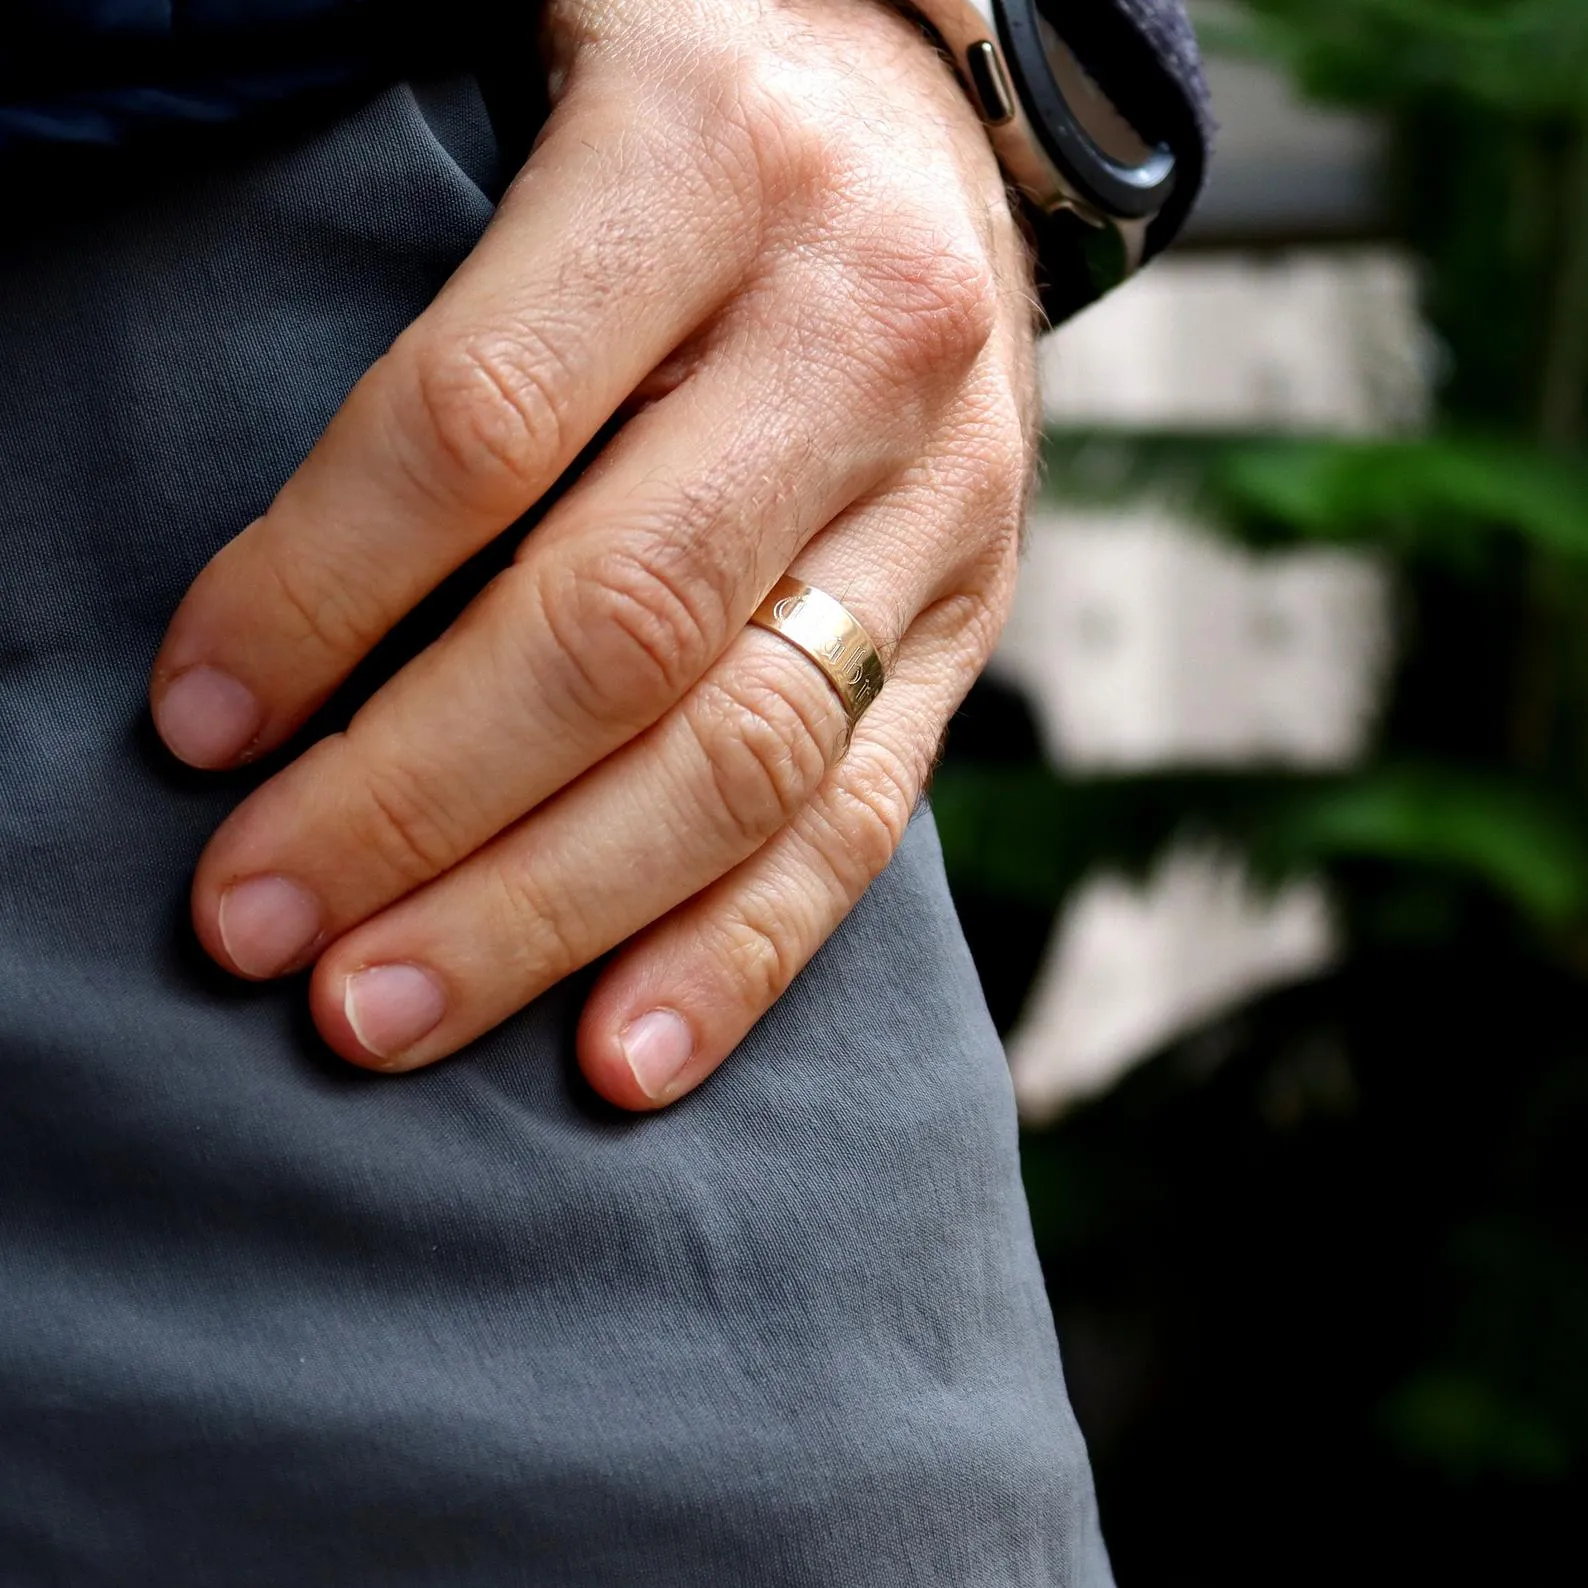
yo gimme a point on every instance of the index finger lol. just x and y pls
(591, 273)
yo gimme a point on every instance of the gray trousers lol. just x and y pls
(265, 1320)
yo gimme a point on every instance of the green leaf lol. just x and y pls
(1525, 58)
(1026, 833)
(1447, 499)
(1420, 493)
(1502, 834)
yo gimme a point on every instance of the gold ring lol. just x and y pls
(830, 634)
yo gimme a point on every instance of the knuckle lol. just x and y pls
(544, 935)
(326, 612)
(754, 942)
(404, 824)
(1019, 416)
(632, 634)
(767, 749)
(1002, 490)
(763, 124)
(933, 294)
(872, 806)
(714, 132)
(976, 615)
(803, 156)
(992, 593)
(490, 407)
(992, 456)
(744, 116)
(680, 546)
(1004, 512)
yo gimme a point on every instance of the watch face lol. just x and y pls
(1091, 108)
(1110, 166)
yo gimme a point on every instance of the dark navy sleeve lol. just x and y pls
(1144, 54)
(102, 71)
(107, 71)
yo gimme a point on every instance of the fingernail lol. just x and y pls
(390, 1007)
(657, 1046)
(267, 925)
(207, 718)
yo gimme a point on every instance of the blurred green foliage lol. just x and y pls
(1052, 831)
(1321, 1268)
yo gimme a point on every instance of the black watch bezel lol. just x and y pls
(1110, 186)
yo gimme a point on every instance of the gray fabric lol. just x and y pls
(267, 1321)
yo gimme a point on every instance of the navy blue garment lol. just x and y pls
(101, 71)
(268, 1322)
(110, 71)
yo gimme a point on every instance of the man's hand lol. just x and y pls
(778, 233)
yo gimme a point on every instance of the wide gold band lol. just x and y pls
(827, 632)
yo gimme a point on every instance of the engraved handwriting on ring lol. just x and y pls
(826, 631)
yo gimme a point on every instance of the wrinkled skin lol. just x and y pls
(777, 234)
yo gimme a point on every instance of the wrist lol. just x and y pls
(1089, 129)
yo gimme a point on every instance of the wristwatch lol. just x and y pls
(1092, 183)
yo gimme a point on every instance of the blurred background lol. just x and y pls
(1269, 827)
